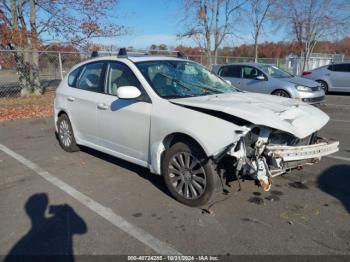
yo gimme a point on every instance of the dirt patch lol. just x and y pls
(26, 107)
(256, 200)
(298, 185)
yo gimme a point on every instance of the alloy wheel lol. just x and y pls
(281, 93)
(65, 133)
(187, 175)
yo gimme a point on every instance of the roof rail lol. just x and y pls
(122, 53)
(94, 54)
(125, 53)
(181, 55)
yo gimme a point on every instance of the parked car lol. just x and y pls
(333, 77)
(268, 79)
(183, 122)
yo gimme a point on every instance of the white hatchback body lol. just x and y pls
(141, 129)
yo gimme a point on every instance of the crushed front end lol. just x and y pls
(263, 153)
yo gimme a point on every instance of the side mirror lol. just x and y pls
(128, 92)
(260, 77)
(228, 81)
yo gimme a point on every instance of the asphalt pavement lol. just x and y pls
(88, 203)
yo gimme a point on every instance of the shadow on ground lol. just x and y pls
(50, 237)
(336, 182)
(143, 172)
(339, 93)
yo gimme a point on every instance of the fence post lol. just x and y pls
(60, 63)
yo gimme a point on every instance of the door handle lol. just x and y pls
(102, 106)
(70, 98)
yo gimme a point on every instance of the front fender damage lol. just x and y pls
(263, 153)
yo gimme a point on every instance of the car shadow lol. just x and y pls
(143, 172)
(338, 93)
(50, 237)
(121, 103)
(336, 182)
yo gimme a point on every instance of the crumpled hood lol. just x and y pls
(301, 81)
(294, 117)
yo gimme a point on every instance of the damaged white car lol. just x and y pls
(178, 119)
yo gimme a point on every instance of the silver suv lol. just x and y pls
(268, 79)
(334, 77)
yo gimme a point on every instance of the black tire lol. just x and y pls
(324, 85)
(203, 167)
(281, 93)
(64, 128)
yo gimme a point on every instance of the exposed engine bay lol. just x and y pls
(263, 153)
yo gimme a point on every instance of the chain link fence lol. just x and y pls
(41, 71)
(24, 72)
(28, 70)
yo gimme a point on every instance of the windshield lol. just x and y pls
(177, 79)
(274, 71)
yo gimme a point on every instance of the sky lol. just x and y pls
(149, 22)
(159, 21)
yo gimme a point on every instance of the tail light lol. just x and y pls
(306, 73)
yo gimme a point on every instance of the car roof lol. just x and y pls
(136, 58)
(248, 64)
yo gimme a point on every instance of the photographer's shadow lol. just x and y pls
(50, 235)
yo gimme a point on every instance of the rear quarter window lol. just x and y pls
(72, 77)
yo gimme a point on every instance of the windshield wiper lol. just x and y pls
(182, 84)
(176, 81)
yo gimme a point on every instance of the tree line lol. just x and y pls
(273, 49)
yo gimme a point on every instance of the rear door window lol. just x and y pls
(340, 67)
(230, 71)
(91, 77)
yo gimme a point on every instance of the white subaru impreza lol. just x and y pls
(178, 119)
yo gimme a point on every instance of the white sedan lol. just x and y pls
(178, 119)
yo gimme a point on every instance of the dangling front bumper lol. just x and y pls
(283, 158)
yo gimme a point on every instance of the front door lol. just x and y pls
(253, 80)
(124, 125)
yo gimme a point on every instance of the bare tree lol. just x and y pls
(24, 24)
(257, 14)
(208, 22)
(314, 20)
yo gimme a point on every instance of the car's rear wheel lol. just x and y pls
(189, 174)
(65, 134)
(324, 85)
(281, 93)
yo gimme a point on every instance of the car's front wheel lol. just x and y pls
(189, 174)
(281, 92)
(65, 134)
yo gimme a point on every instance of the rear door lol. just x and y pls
(250, 80)
(231, 73)
(81, 102)
(124, 124)
(340, 77)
